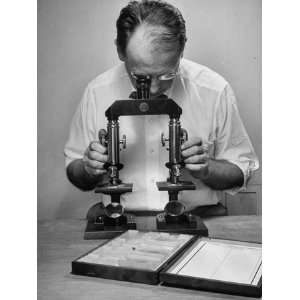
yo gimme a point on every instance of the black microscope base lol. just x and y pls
(189, 224)
(97, 230)
(102, 230)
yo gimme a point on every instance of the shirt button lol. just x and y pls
(152, 151)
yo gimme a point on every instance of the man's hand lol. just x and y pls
(95, 156)
(87, 172)
(217, 174)
(195, 156)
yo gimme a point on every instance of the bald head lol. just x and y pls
(146, 46)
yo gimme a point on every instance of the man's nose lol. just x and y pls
(154, 86)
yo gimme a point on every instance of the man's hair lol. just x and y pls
(165, 21)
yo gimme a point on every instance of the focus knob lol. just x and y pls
(102, 135)
(183, 136)
(163, 139)
(123, 141)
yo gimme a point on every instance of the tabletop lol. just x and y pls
(61, 241)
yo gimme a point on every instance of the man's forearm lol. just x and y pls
(221, 175)
(80, 178)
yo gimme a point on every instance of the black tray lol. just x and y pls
(125, 273)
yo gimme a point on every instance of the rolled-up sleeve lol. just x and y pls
(232, 141)
(82, 130)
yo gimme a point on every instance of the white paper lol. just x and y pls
(222, 261)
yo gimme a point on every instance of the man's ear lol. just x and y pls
(120, 53)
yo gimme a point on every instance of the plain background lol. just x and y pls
(76, 43)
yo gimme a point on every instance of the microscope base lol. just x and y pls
(105, 228)
(186, 223)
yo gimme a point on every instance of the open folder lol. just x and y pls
(215, 260)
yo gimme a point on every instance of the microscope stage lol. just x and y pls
(180, 186)
(114, 188)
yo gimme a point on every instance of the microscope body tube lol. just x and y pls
(174, 149)
(113, 150)
(143, 87)
(143, 93)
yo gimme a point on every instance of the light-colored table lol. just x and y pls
(61, 241)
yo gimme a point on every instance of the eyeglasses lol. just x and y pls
(163, 77)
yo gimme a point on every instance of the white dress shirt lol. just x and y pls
(209, 111)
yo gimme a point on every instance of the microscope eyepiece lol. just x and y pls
(143, 84)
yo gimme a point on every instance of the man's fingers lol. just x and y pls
(197, 159)
(97, 152)
(94, 164)
(96, 146)
(94, 155)
(94, 159)
(193, 141)
(195, 167)
(194, 150)
(94, 172)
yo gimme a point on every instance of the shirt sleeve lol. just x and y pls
(232, 141)
(82, 130)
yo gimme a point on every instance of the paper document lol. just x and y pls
(222, 261)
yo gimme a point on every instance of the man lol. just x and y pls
(218, 156)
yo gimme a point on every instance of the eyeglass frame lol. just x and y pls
(159, 77)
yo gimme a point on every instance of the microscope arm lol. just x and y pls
(143, 107)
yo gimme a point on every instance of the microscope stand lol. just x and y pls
(186, 223)
(181, 223)
(98, 230)
(99, 226)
